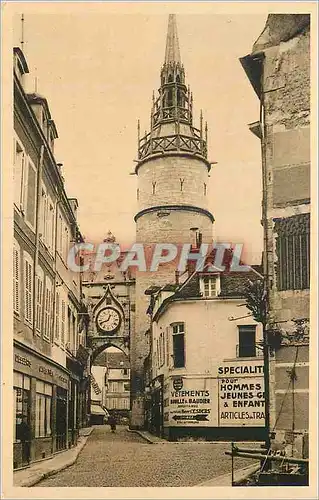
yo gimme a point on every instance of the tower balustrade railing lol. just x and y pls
(177, 142)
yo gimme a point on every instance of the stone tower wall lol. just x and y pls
(179, 180)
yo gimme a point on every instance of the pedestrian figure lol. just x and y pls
(24, 434)
(112, 423)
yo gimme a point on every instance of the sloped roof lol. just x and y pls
(232, 283)
(172, 52)
(112, 360)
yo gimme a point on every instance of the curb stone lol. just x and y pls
(142, 435)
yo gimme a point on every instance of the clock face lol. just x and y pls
(108, 319)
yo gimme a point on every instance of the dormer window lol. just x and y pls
(210, 286)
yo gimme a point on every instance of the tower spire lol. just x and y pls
(172, 52)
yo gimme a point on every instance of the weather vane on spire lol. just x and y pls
(22, 32)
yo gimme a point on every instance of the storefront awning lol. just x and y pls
(97, 410)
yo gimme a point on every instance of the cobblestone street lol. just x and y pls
(125, 459)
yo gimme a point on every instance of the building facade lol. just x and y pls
(205, 375)
(279, 71)
(50, 393)
(112, 371)
(172, 171)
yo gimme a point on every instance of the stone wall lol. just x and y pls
(285, 96)
(178, 181)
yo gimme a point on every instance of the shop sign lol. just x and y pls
(41, 371)
(241, 394)
(190, 403)
(22, 360)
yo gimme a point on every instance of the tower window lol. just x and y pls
(138, 194)
(182, 182)
(153, 187)
(205, 189)
(170, 78)
(170, 98)
(178, 78)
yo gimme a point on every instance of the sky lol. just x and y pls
(98, 67)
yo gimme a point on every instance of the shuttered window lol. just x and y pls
(57, 317)
(47, 311)
(31, 195)
(39, 299)
(18, 173)
(62, 322)
(16, 279)
(50, 233)
(28, 289)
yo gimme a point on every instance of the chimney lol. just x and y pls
(74, 205)
(176, 277)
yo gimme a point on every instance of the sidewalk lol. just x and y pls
(39, 470)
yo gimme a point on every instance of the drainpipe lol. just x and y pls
(37, 237)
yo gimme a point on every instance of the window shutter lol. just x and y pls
(39, 285)
(62, 321)
(28, 291)
(31, 190)
(16, 276)
(23, 185)
(57, 317)
(47, 308)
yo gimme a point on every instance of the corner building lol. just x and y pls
(172, 171)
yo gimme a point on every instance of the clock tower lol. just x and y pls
(172, 170)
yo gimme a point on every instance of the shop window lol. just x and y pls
(21, 406)
(247, 341)
(179, 345)
(43, 409)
